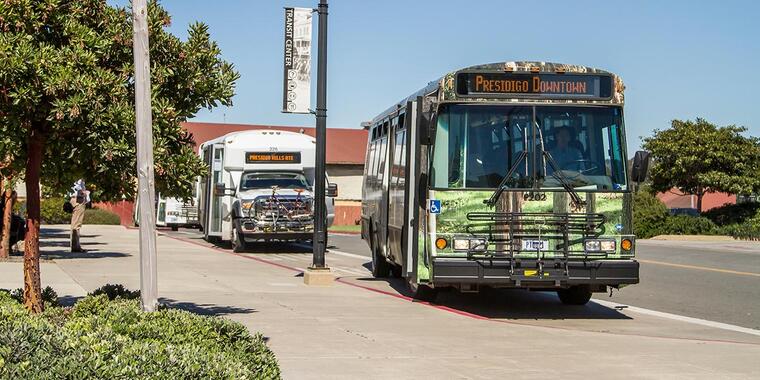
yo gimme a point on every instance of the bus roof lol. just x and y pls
(444, 87)
(264, 137)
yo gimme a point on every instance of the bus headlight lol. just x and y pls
(470, 244)
(246, 205)
(600, 245)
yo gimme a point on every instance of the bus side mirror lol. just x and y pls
(332, 190)
(427, 119)
(640, 166)
(220, 190)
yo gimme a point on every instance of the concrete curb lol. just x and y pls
(693, 238)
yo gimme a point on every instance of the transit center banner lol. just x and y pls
(296, 96)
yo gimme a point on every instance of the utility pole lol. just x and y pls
(319, 273)
(145, 181)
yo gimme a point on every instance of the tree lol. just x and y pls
(67, 102)
(698, 157)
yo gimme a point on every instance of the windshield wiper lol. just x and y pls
(575, 198)
(503, 184)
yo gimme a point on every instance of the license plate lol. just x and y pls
(535, 245)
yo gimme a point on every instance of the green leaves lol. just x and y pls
(66, 72)
(106, 339)
(698, 157)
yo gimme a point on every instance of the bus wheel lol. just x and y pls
(175, 228)
(238, 245)
(396, 271)
(575, 295)
(422, 292)
(381, 268)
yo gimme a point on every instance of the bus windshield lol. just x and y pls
(266, 180)
(477, 145)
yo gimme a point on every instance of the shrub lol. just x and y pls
(49, 296)
(733, 213)
(99, 216)
(105, 339)
(51, 211)
(688, 225)
(116, 291)
(649, 215)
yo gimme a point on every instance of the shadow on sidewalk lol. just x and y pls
(94, 254)
(506, 303)
(205, 308)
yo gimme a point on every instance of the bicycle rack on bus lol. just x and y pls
(506, 230)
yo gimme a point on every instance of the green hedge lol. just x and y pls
(104, 339)
(687, 225)
(51, 211)
(99, 216)
(651, 218)
(649, 215)
(733, 213)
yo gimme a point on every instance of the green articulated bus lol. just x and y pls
(506, 175)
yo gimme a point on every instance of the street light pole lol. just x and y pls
(320, 215)
(143, 124)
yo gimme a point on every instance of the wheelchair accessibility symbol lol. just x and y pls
(435, 206)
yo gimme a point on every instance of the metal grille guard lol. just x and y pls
(505, 231)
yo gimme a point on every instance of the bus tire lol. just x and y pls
(396, 271)
(175, 228)
(575, 295)
(238, 244)
(381, 268)
(422, 292)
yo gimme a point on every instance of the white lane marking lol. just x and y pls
(341, 253)
(681, 318)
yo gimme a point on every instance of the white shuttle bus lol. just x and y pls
(172, 212)
(259, 187)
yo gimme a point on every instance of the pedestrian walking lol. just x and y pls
(79, 201)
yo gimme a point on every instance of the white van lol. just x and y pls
(172, 212)
(259, 187)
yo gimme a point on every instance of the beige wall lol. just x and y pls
(349, 180)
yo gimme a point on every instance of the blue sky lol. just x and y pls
(678, 59)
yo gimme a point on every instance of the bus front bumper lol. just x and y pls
(529, 274)
(252, 230)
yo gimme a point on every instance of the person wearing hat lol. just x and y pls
(79, 201)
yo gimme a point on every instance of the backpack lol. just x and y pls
(68, 207)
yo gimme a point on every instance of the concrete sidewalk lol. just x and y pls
(361, 328)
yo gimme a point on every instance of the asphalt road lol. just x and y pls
(713, 281)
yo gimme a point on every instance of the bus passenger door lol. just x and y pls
(385, 164)
(213, 211)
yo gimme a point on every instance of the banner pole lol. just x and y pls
(320, 215)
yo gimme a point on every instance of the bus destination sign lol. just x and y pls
(273, 158)
(543, 85)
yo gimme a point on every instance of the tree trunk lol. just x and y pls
(699, 201)
(32, 285)
(5, 244)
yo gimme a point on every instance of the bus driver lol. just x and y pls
(565, 155)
